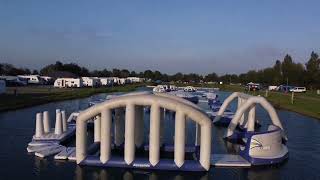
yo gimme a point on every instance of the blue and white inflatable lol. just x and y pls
(259, 147)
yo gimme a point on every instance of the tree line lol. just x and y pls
(282, 72)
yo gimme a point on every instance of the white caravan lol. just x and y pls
(106, 81)
(33, 79)
(90, 81)
(68, 82)
(135, 79)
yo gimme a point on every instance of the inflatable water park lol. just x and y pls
(110, 132)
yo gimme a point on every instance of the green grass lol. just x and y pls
(304, 103)
(36, 95)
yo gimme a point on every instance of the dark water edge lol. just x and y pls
(17, 128)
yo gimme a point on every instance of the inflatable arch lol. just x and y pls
(251, 102)
(242, 98)
(133, 105)
(261, 147)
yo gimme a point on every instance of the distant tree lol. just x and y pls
(157, 75)
(312, 69)
(116, 72)
(277, 78)
(133, 74)
(1, 69)
(148, 74)
(59, 66)
(292, 72)
(35, 72)
(9, 69)
(213, 77)
(124, 73)
(178, 76)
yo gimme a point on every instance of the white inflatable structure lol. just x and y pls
(261, 147)
(118, 124)
(224, 118)
(132, 135)
(189, 89)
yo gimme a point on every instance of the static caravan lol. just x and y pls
(123, 81)
(90, 81)
(47, 79)
(106, 81)
(116, 80)
(14, 81)
(272, 88)
(33, 79)
(135, 79)
(68, 83)
(2, 86)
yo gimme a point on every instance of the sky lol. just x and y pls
(198, 36)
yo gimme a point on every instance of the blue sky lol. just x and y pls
(167, 35)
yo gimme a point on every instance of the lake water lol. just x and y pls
(17, 128)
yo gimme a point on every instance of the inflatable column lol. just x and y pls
(46, 122)
(39, 126)
(179, 138)
(58, 126)
(251, 118)
(64, 121)
(129, 145)
(105, 144)
(97, 129)
(240, 103)
(154, 136)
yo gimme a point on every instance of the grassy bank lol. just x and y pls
(36, 95)
(304, 103)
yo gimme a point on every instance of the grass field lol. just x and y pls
(35, 95)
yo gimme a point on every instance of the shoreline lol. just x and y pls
(24, 99)
(281, 101)
(303, 105)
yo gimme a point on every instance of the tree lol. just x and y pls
(35, 72)
(116, 73)
(157, 76)
(9, 69)
(177, 77)
(292, 72)
(277, 78)
(148, 74)
(133, 74)
(59, 66)
(212, 77)
(124, 73)
(312, 69)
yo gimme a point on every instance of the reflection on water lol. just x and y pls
(39, 165)
(83, 173)
(17, 128)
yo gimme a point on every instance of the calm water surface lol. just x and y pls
(17, 128)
